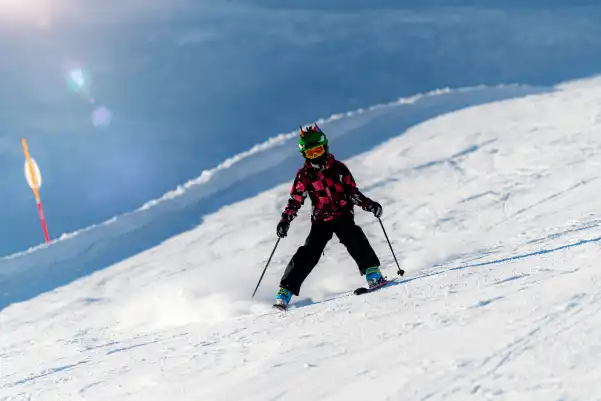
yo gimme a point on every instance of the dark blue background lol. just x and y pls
(194, 84)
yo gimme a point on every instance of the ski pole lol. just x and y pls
(401, 272)
(265, 269)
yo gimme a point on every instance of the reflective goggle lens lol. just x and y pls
(315, 152)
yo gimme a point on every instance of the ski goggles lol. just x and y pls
(315, 152)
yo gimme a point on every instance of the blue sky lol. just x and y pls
(190, 84)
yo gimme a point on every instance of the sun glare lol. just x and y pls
(16, 6)
(36, 11)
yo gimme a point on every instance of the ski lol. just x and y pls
(363, 290)
(357, 291)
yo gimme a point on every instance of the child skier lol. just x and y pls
(333, 193)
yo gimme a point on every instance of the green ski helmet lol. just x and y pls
(312, 138)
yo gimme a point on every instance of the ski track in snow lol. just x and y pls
(494, 214)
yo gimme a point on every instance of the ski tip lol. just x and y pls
(360, 291)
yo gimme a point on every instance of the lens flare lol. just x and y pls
(78, 80)
(102, 117)
(19, 12)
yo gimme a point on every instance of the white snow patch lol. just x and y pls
(494, 213)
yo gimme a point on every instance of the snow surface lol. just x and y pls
(265, 165)
(493, 212)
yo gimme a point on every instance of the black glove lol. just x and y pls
(283, 227)
(375, 208)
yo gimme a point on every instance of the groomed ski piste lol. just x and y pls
(491, 201)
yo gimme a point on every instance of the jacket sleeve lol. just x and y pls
(298, 193)
(350, 187)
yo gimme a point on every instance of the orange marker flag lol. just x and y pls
(34, 179)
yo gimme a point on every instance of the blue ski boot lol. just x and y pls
(374, 277)
(282, 299)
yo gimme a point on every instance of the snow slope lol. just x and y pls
(25, 275)
(493, 211)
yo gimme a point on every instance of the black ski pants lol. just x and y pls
(307, 256)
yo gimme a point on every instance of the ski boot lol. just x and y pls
(282, 299)
(374, 277)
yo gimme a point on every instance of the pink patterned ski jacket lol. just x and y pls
(332, 191)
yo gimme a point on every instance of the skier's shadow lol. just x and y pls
(403, 280)
(304, 302)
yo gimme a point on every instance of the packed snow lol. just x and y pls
(73, 255)
(493, 212)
